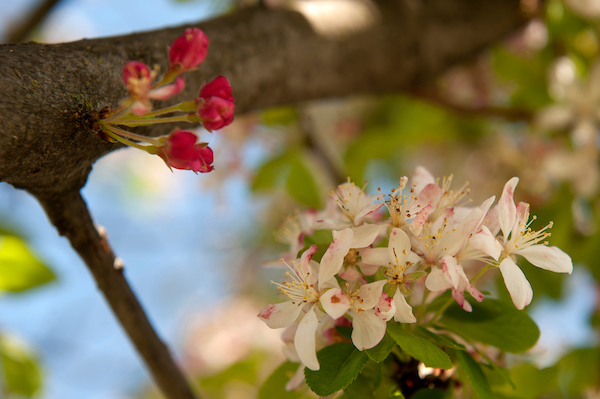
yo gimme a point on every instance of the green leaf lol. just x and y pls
(475, 375)
(418, 347)
(301, 185)
(274, 385)
(578, 370)
(429, 394)
(529, 382)
(19, 269)
(340, 364)
(494, 322)
(442, 341)
(381, 351)
(19, 367)
(272, 173)
(289, 170)
(281, 116)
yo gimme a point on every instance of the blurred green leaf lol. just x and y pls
(274, 385)
(20, 368)
(430, 394)
(494, 322)
(281, 116)
(340, 364)
(579, 370)
(475, 375)
(418, 347)
(301, 185)
(529, 382)
(290, 171)
(246, 371)
(526, 75)
(19, 269)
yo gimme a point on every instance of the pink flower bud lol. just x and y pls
(216, 104)
(218, 87)
(181, 151)
(188, 51)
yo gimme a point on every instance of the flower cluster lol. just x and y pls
(428, 239)
(214, 107)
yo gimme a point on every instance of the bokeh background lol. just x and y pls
(194, 247)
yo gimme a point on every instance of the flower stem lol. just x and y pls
(147, 122)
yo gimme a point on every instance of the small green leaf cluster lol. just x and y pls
(20, 271)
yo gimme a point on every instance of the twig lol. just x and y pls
(510, 114)
(20, 32)
(69, 213)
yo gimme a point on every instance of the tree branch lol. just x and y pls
(69, 213)
(271, 57)
(20, 32)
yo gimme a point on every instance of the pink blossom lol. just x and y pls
(137, 78)
(216, 104)
(181, 151)
(188, 51)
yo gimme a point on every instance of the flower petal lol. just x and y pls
(485, 242)
(404, 312)
(332, 260)
(365, 235)
(386, 308)
(516, 283)
(548, 258)
(280, 315)
(507, 210)
(367, 211)
(367, 330)
(436, 281)
(304, 341)
(370, 293)
(335, 303)
(450, 269)
(399, 246)
(417, 225)
(376, 256)
(421, 178)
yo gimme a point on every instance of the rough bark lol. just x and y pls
(50, 93)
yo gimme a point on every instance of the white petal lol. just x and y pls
(399, 246)
(296, 380)
(459, 297)
(386, 308)
(376, 256)
(485, 242)
(332, 260)
(370, 294)
(365, 235)
(491, 221)
(367, 269)
(430, 195)
(304, 341)
(507, 210)
(280, 315)
(548, 258)
(366, 212)
(335, 303)
(403, 310)
(421, 178)
(417, 225)
(367, 330)
(450, 269)
(516, 283)
(463, 231)
(436, 281)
